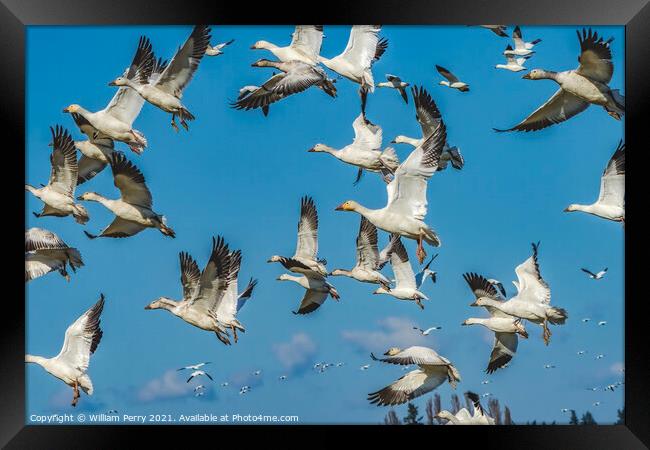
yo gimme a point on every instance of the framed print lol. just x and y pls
(231, 220)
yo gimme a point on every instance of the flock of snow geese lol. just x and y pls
(211, 299)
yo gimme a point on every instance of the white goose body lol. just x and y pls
(306, 41)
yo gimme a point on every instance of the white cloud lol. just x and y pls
(297, 354)
(617, 368)
(393, 332)
(170, 385)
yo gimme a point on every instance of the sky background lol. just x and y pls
(241, 175)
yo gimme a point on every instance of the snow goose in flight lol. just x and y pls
(365, 150)
(602, 323)
(194, 366)
(407, 194)
(294, 77)
(499, 30)
(579, 88)
(522, 48)
(133, 210)
(216, 50)
(305, 45)
(533, 298)
(81, 341)
(432, 372)
(425, 273)
(166, 91)
(58, 195)
(395, 82)
(513, 63)
(505, 327)
(305, 261)
(611, 200)
(232, 301)
(595, 276)
(451, 80)
(462, 417)
(363, 49)
(427, 331)
(116, 120)
(198, 373)
(497, 284)
(202, 291)
(46, 252)
(317, 290)
(429, 117)
(405, 284)
(365, 269)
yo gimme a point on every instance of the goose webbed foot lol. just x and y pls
(173, 123)
(234, 332)
(614, 114)
(76, 395)
(184, 124)
(546, 334)
(418, 302)
(420, 253)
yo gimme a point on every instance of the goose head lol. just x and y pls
(445, 415)
(89, 197)
(535, 74)
(349, 205)
(72, 108)
(261, 45)
(319, 148)
(274, 258)
(284, 277)
(393, 351)
(572, 207)
(381, 290)
(119, 81)
(161, 303)
(263, 63)
(481, 301)
(339, 272)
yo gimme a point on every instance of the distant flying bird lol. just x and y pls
(451, 80)
(395, 82)
(58, 194)
(194, 366)
(585, 320)
(611, 199)
(112, 411)
(224, 384)
(601, 356)
(596, 403)
(257, 372)
(564, 410)
(134, 209)
(595, 276)
(340, 364)
(433, 371)
(549, 366)
(365, 367)
(282, 377)
(487, 394)
(499, 30)
(46, 252)
(513, 64)
(427, 331)
(198, 373)
(216, 50)
(582, 352)
(81, 340)
(522, 48)
(485, 382)
(199, 394)
(602, 323)
(199, 388)
(592, 389)
(166, 91)
(579, 88)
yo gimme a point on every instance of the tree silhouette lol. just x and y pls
(412, 415)
(621, 417)
(429, 411)
(391, 418)
(507, 419)
(574, 418)
(495, 410)
(587, 419)
(437, 406)
(455, 404)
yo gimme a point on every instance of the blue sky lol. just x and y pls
(241, 175)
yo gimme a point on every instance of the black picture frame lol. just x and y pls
(15, 15)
